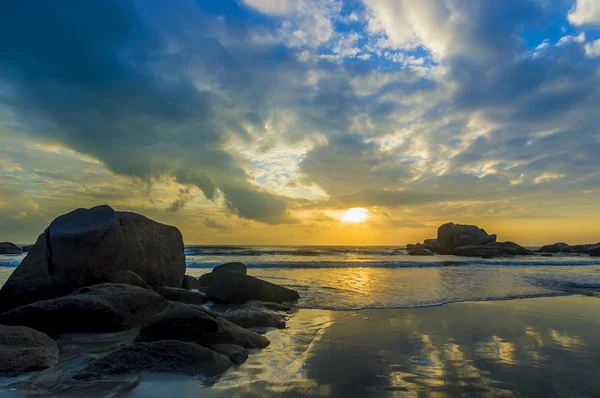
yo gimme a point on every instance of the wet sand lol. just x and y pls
(539, 347)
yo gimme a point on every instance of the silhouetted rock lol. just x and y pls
(262, 305)
(125, 278)
(194, 324)
(159, 356)
(9, 248)
(586, 248)
(235, 267)
(191, 283)
(452, 235)
(181, 295)
(236, 354)
(205, 280)
(27, 248)
(496, 249)
(558, 247)
(23, 350)
(98, 308)
(420, 251)
(595, 252)
(80, 247)
(247, 318)
(232, 287)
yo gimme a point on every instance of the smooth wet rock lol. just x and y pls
(24, 350)
(496, 249)
(9, 248)
(420, 252)
(205, 280)
(124, 277)
(247, 318)
(262, 305)
(191, 283)
(232, 287)
(452, 235)
(80, 247)
(193, 324)
(165, 356)
(181, 295)
(98, 308)
(595, 252)
(558, 247)
(234, 266)
(236, 354)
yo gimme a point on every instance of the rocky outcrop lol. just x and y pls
(586, 248)
(595, 252)
(9, 248)
(98, 308)
(27, 248)
(181, 295)
(191, 283)
(496, 249)
(452, 235)
(159, 356)
(80, 247)
(24, 350)
(232, 287)
(235, 353)
(558, 247)
(194, 324)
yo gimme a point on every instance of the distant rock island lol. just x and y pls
(472, 241)
(99, 270)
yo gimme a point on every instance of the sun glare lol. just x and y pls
(356, 214)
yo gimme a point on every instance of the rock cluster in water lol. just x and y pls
(97, 270)
(592, 249)
(465, 240)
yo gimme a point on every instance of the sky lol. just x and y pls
(265, 121)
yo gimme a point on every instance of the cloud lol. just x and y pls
(592, 49)
(585, 12)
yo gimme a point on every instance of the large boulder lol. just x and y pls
(558, 247)
(181, 295)
(452, 235)
(496, 249)
(125, 278)
(595, 252)
(232, 287)
(197, 325)
(586, 248)
(236, 354)
(9, 248)
(23, 350)
(420, 251)
(160, 356)
(247, 318)
(80, 247)
(98, 308)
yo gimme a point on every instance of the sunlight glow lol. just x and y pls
(356, 214)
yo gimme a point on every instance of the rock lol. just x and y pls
(595, 252)
(24, 350)
(420, 251)
(232, 287)
(260, 305)
(191, 283)
(255, 318)
(125, 278)
(496, 249)
(558, 247)
(98, 308)
(9, 248)
(160, 356)
(236, 354)
(586, 248)
(452, 235)
(235, 267)
(205, 280)
(410, 247)
(181, 295)
(27, 248)
(80, 247)
(194, 324)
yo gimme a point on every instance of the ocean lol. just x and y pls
(350, 277)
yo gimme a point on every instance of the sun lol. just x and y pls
(356, 214)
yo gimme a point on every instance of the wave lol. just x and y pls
(437, 303)
(291, 251)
